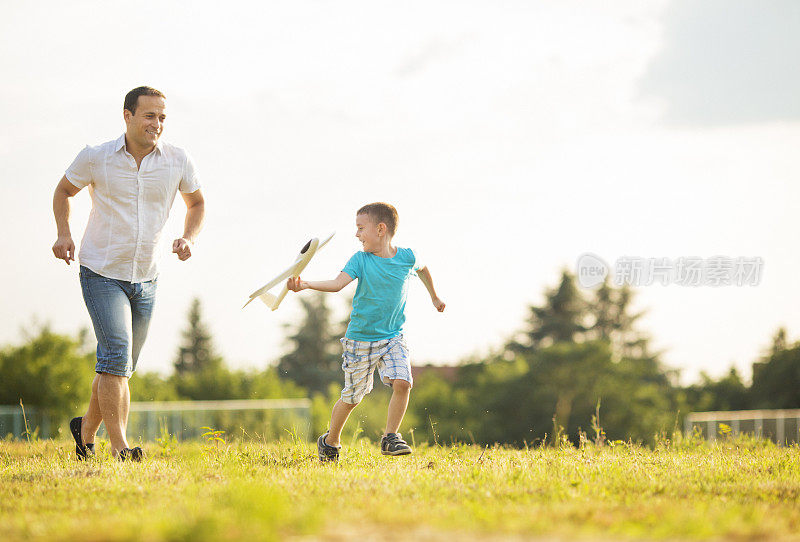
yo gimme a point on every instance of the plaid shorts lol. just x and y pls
(360, 358)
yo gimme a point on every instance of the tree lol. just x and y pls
(727, 393)
(582, 348)
(200, 374)
(776, 377)
(197, 352)
(314, 360)
(562, 317)
(612, 321)
(50, 371)
(779, 341)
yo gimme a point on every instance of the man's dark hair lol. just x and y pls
(381, 212)
(132, 98)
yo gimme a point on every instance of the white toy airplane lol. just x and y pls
(293, 271)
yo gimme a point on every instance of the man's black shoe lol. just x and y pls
(326, 451)
(131, 454)
(83, 451)
(393, 444)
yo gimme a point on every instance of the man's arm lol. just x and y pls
(64, 247)
(195, 213)
(334, 285)
(425, 276)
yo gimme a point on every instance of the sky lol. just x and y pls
(512, 138)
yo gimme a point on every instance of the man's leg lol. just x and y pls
(93, 417)
(401, 390)
(341, 411)
(111, 393)
(142, 301)
(126, 404)
(110, 310)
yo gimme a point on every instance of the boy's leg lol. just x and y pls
(358, 365)
(341, 411)
(401, 390)
(392, 442)
(394, 368)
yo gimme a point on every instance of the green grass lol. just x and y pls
(741, 489)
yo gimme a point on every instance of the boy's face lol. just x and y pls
(369, 233)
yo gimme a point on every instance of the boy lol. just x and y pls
(374, 336)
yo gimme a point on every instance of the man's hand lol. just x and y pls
(295, 284)
(438, 303)
(182, 248)
(64, 249)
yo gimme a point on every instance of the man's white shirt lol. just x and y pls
(129, 207)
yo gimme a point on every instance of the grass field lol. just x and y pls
(737, 489)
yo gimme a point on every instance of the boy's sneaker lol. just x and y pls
(131, 454)
(326, 451)
(393, 444)
(83, 451)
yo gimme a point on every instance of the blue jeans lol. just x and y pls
(120, 313)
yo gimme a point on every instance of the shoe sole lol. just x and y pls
(398, 452)
(328, 459)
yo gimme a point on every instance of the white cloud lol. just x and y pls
(728, 62)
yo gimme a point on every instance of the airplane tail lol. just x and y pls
(268, 299)
(273, 301)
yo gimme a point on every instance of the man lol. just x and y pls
(133, 181)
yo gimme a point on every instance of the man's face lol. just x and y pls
(145, 126)
(368, 233)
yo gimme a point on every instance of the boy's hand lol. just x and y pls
(295, 284)
(438, 303)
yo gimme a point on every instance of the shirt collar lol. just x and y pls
(119, 144)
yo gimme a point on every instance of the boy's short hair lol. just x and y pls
(382, 212)
(132, 98)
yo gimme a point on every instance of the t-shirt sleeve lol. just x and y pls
(189, 181)
(418, 263)
(79, 173)
(354, 266)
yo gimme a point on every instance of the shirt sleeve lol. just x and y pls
(418, 262)
(189, 181)
(353, 266)
(79, 173)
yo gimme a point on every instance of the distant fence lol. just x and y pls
(260, 418)
(267, 419)
(13, 423)
(780, 426)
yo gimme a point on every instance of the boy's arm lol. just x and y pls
(334, 285)
(425, 277)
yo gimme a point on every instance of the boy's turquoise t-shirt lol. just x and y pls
(380, 301)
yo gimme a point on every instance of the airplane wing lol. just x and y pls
(325, 242)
